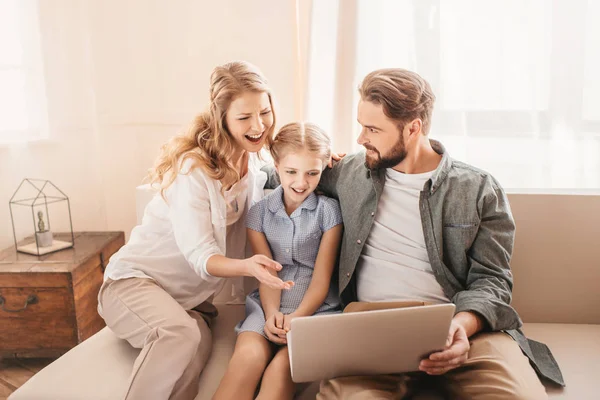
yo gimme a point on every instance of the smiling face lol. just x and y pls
(380, 136)
(299, 173)
(248, 119)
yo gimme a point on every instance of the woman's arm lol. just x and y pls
(258, 266)
(189, 205)
(321, 279)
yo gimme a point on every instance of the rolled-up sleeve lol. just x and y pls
(489, 281)
(190, 215)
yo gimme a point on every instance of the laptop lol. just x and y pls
(366, 342)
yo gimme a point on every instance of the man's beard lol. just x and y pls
(396, 156)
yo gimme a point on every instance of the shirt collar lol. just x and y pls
(276, 204)
(439, 174)
(443, 168)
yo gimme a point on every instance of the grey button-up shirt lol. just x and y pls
(469, 234)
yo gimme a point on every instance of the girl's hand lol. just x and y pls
(273, 328)
(335, 157)
(259, 265)
(287, 322)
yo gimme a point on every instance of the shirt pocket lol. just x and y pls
(459, 236)
(466, 225)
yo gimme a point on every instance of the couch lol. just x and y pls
(556, 266)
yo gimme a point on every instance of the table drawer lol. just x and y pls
(36, 318)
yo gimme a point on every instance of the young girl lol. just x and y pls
(157, 289)
(302, 231)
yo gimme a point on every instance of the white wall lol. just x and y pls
(124, 76)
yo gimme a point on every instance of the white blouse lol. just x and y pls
(177, 237)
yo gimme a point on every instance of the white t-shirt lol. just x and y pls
(394, 265)
(177, 237)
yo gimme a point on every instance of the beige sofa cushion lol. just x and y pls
(98, 368)
(576, 348)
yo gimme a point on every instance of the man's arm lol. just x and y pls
(470, 321)
(329, 180)
(489, 283)
(272, 177)
(485, 302)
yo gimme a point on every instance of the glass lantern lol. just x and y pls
(41, 218)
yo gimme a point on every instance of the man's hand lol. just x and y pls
(335, 157)
(455, 354)
(274, 328)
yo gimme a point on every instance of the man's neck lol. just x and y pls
(422, 158)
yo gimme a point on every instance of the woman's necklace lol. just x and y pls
(243, 171)
(242, 166)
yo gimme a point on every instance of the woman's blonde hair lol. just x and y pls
(208, 141)
(301, 136)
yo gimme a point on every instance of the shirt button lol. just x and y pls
(372, 214)
(358, 241)
(348, 274)
(287, 250)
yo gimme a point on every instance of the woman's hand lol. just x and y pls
(259, 265)
(335, 157)
(274, 328)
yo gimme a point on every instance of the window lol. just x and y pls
(22, 92)
(516, 90)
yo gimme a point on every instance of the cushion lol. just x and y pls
(98, 368)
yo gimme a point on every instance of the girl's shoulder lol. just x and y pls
(327, 203)
(329, 212)
(272, 199)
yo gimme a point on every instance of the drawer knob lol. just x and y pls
(31, 299)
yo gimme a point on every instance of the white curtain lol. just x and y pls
(516, 90)
(22, 89)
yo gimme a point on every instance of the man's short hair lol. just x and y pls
(404, 95)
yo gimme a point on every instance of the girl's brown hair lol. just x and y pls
(299, 136)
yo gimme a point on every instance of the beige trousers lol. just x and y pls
(175, 343)
(496, 369)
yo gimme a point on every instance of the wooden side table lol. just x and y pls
(48, 304)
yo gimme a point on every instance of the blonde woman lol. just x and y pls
(157, 288)
(302, 231)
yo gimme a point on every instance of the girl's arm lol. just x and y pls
(270, 298)
(321, 279)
